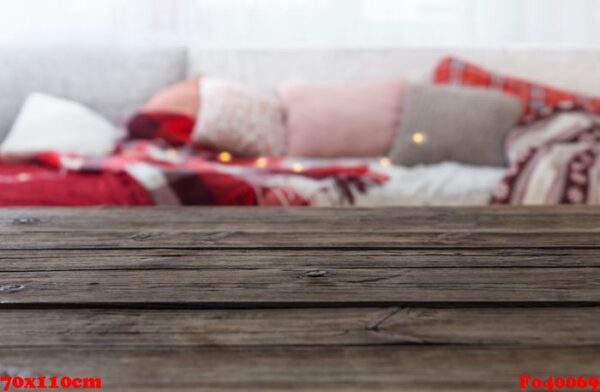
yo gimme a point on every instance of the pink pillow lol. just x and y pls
(357, 119)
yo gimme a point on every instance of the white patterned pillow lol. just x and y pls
(235, 118)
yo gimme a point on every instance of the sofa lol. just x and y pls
(116, 81)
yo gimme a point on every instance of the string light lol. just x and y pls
(225, 157)
(419, 138)
(385, 161)
(297, 168)
(23, 177)
(172, 153)
(261, 162)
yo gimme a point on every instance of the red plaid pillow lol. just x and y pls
(538, 100)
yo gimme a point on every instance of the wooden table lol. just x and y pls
(302, 299)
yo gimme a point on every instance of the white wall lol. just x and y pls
(302, 23)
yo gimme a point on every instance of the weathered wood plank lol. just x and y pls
(299, 327)
(189, 217)
(324, 228)
(229, 238)
(426, 368)
(186, 259)
(297, 286)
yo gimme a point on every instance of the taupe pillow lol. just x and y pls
(467, 125)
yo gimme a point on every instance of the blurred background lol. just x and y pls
(237, 24)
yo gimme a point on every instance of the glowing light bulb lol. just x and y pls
(261, 162)
(172, 153)
(419, 138)
(22, 177)
(297, 168)
(385, 161)
(225, 157)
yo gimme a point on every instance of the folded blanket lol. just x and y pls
(555, 161)
(186, 177)
(34, 185)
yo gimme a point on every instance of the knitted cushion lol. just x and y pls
(465, 125)
(216, 113)
(538, 100)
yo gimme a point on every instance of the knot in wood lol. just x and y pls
(315, 274)
(11, 288)
(141, 236)
(26, 221)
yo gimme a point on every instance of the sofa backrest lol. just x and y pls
(577, 69)
(113, 81)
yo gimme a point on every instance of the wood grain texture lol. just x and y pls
(404, 368)
(220, 259)
(201, 228)
(260, 277)
(399, 299)
(546, 327)
(250, 287)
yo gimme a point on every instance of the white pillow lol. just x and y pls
(47, 123)
(235, 118)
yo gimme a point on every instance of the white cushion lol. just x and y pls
(235, 118)
(47, 123)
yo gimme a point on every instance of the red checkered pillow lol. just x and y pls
(538, 100)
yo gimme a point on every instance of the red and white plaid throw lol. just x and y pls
(184, 176)
(539, 101)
